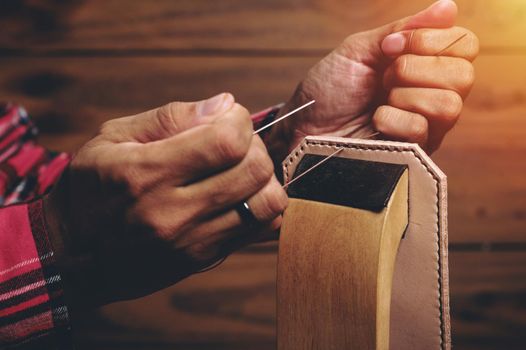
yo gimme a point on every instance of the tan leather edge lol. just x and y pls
(291, 162)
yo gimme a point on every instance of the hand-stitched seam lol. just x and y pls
(444, 335)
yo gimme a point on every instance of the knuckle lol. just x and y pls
(467, 74)
(170, 108)
(474, 45)
(394, 96)
(163, 227)
(466, 78)
(202, 252)
(228, 144)
(419, 39)
(380, 118)
(277, 202)
(401, 66)
(165, 116)
(241, 111)
(115, 126)
(349, 40)
(217, 198)
(273, 203)
(241, 117)
(107, 127)
(127, 177)
(418, 130)
(134, 187)
(260, 167)
(452, 103)
(152, 221)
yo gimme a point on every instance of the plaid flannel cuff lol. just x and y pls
(33, 313)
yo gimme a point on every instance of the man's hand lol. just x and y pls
(150, 199)
(387, 80)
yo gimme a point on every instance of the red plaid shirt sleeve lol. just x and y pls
(33, 313)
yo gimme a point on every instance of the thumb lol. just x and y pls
(441, 14)
(176, 117)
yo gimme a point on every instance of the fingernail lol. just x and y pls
(434, 5)
(215, 105)
(394, 44)
(441, 14)
(439, 3)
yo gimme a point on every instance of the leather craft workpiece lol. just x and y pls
(376, 212)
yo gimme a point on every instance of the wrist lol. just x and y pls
(54, 224)
(74, 268)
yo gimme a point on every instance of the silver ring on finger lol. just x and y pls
(246, 214)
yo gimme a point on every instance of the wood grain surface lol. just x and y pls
(69, 98)
(233, 307)
(75, 64)
(284, 25)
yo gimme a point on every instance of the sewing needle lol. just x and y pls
(340, 149)
(283, 117)
(313, 167)
(451, 44)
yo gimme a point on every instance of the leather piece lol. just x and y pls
(348, 182)
(420, 300)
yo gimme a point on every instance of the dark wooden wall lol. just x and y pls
(77, 63)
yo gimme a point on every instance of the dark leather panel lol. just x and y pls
(348, 182)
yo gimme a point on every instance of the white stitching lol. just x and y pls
(377, 147)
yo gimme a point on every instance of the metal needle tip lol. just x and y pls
(283, 117)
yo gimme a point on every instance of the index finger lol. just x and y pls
(203, 150)
(453, 42)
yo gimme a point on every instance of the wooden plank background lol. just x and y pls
(76, 64)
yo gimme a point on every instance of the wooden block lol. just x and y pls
(335, 272)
